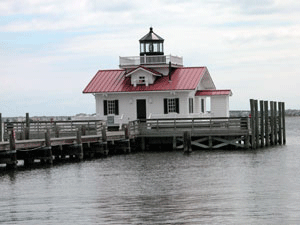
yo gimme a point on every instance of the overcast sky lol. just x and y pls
(51, 49)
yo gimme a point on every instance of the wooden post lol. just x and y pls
(79, 142)
(104, 136)
(275, 123)
(143, 144)
(210, 143)
(27, 127)
(174, 143)
(262, 127)
(252, 124)
(246, 142)
(272, 123)
(127, 137)
(48, 146)
(126, 131)
(56, 130)
(256, 124)
(283, 123)
(187, 142)
(83, 130)
(13, 153)
(1, 129)
(267, 135)
(279, 123)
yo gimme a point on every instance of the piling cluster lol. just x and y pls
(267, 123)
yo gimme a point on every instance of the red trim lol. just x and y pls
(213, 92)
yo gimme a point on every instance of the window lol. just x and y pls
(111, 107)
(191, 105)
(202, 105)
(142, 80)
(171, 105)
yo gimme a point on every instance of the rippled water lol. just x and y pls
(205, 187)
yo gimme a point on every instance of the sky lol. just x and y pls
(51, 49)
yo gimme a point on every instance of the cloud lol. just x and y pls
(54, 48)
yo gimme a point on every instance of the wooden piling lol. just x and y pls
(210, 143)
(12, 163)
(174, 142)
(79, 143)
(252, 123)
(103, 132)
(275, 123)
(126, 132)
(1, 129)
(143, 143)
(127, 137)
(262, 128)
(56, 130)
(48, 148)
(187, 147)
(256, 124)
(246, 142)
(283, 123)
(266, 115)
(27, 127)
(272, 123)
(279, 123)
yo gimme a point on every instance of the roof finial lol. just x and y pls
(151, 29)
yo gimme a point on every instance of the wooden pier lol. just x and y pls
(56, 140)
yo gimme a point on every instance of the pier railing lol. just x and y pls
(37, 129)
(237, 123)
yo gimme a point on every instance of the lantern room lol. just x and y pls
(151, 44)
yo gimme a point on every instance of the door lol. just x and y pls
(141, 109)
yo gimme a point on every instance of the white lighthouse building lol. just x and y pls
(155, 85)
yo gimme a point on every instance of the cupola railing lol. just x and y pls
(150, 60)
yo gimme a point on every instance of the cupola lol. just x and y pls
(151, 44)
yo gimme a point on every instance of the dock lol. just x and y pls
(47, 141)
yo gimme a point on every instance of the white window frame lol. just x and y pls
(111, 107)
(171, 105)
(142, 79)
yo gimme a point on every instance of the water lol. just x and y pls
(206, 187)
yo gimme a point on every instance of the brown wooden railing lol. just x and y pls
(37, 129)
(198, 123)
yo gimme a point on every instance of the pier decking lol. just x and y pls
(49, 140)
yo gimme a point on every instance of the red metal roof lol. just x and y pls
(213, 92)
(185, 78)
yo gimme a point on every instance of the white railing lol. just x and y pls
(175, 115)
(150, 60)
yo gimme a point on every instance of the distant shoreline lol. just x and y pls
(83, 116)
(240, 113)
